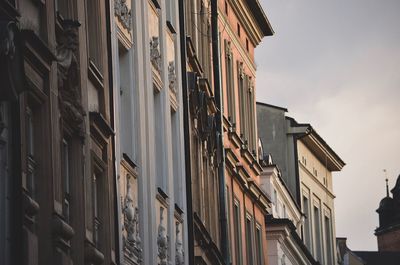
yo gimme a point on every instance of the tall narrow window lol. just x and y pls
(230, 85)
(65, 153)
(328, 238)
(249, 239)
(317, 233)
(94, 31)
(30, 144)
(238, 233)
(242, 113)
(228, 210)
(307, 223)
(260, 257)
(96, 209)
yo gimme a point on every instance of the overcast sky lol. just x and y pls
(336, 64)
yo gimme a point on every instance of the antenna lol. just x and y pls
(387, 183)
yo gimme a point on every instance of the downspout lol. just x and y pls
(186, 132)
(218, 99)
(116, 226)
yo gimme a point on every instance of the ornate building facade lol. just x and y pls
(57, 133)
(241, 27)
(203, 144)
(149, 143)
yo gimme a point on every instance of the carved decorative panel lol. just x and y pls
(132, 243)
(123, 15)
(162, 226)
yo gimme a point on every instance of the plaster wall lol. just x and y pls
(318, 195)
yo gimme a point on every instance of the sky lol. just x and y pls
(336, 65)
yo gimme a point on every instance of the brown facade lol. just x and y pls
(247, 205)
(64, 183)
(203, 142)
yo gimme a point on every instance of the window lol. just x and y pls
(317, 233)
(249, 239)
(30, 144)
(242, 118)
(247, 44)
(228, 210)
(65, 153)
(238, 29)
(328, 238)
(307, 223)
(94, 33)
(238, 233)
(230, 85)
(259, 237)
(226, 7)
(96, 209)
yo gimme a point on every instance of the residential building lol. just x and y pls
(241, 27)
(56, 134)
(203, 145)
(284, 244)
(148, 107)
(307, 163)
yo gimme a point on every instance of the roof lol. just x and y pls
(319, 146)
(272, 106)
(260, 17)
(379, 257)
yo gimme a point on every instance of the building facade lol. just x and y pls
(203, 144)
(57, 134)
(284, 243)
(308, 163)
(149, 142)
(241, 27)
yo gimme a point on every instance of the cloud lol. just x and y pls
(336, 64)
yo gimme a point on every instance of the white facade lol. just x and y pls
(284, 226)
(149, 125)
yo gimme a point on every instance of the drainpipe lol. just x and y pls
(218, 99)
(186, 132)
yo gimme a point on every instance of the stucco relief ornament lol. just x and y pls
(179, 252)
(132, 240)
(68, 74)
(162, 240)
(172, 76)
(241, 71)
(123, 13)
(155, 55)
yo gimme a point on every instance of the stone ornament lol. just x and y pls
(179, 251)
(162, 240)
(172, 76)
(155, 55)
(123, 13)
(12, 71)
(68, 74)
(131, 239)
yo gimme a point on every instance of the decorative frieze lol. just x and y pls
(172, 76)
(130, 229)
(155, 55)
(123, 13)
(68, 75)
(179, 251)
(162, 240)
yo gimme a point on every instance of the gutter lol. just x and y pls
(221, 164)
(186, 133)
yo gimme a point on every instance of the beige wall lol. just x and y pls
(316, 186)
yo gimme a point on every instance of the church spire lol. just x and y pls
(387, 187)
